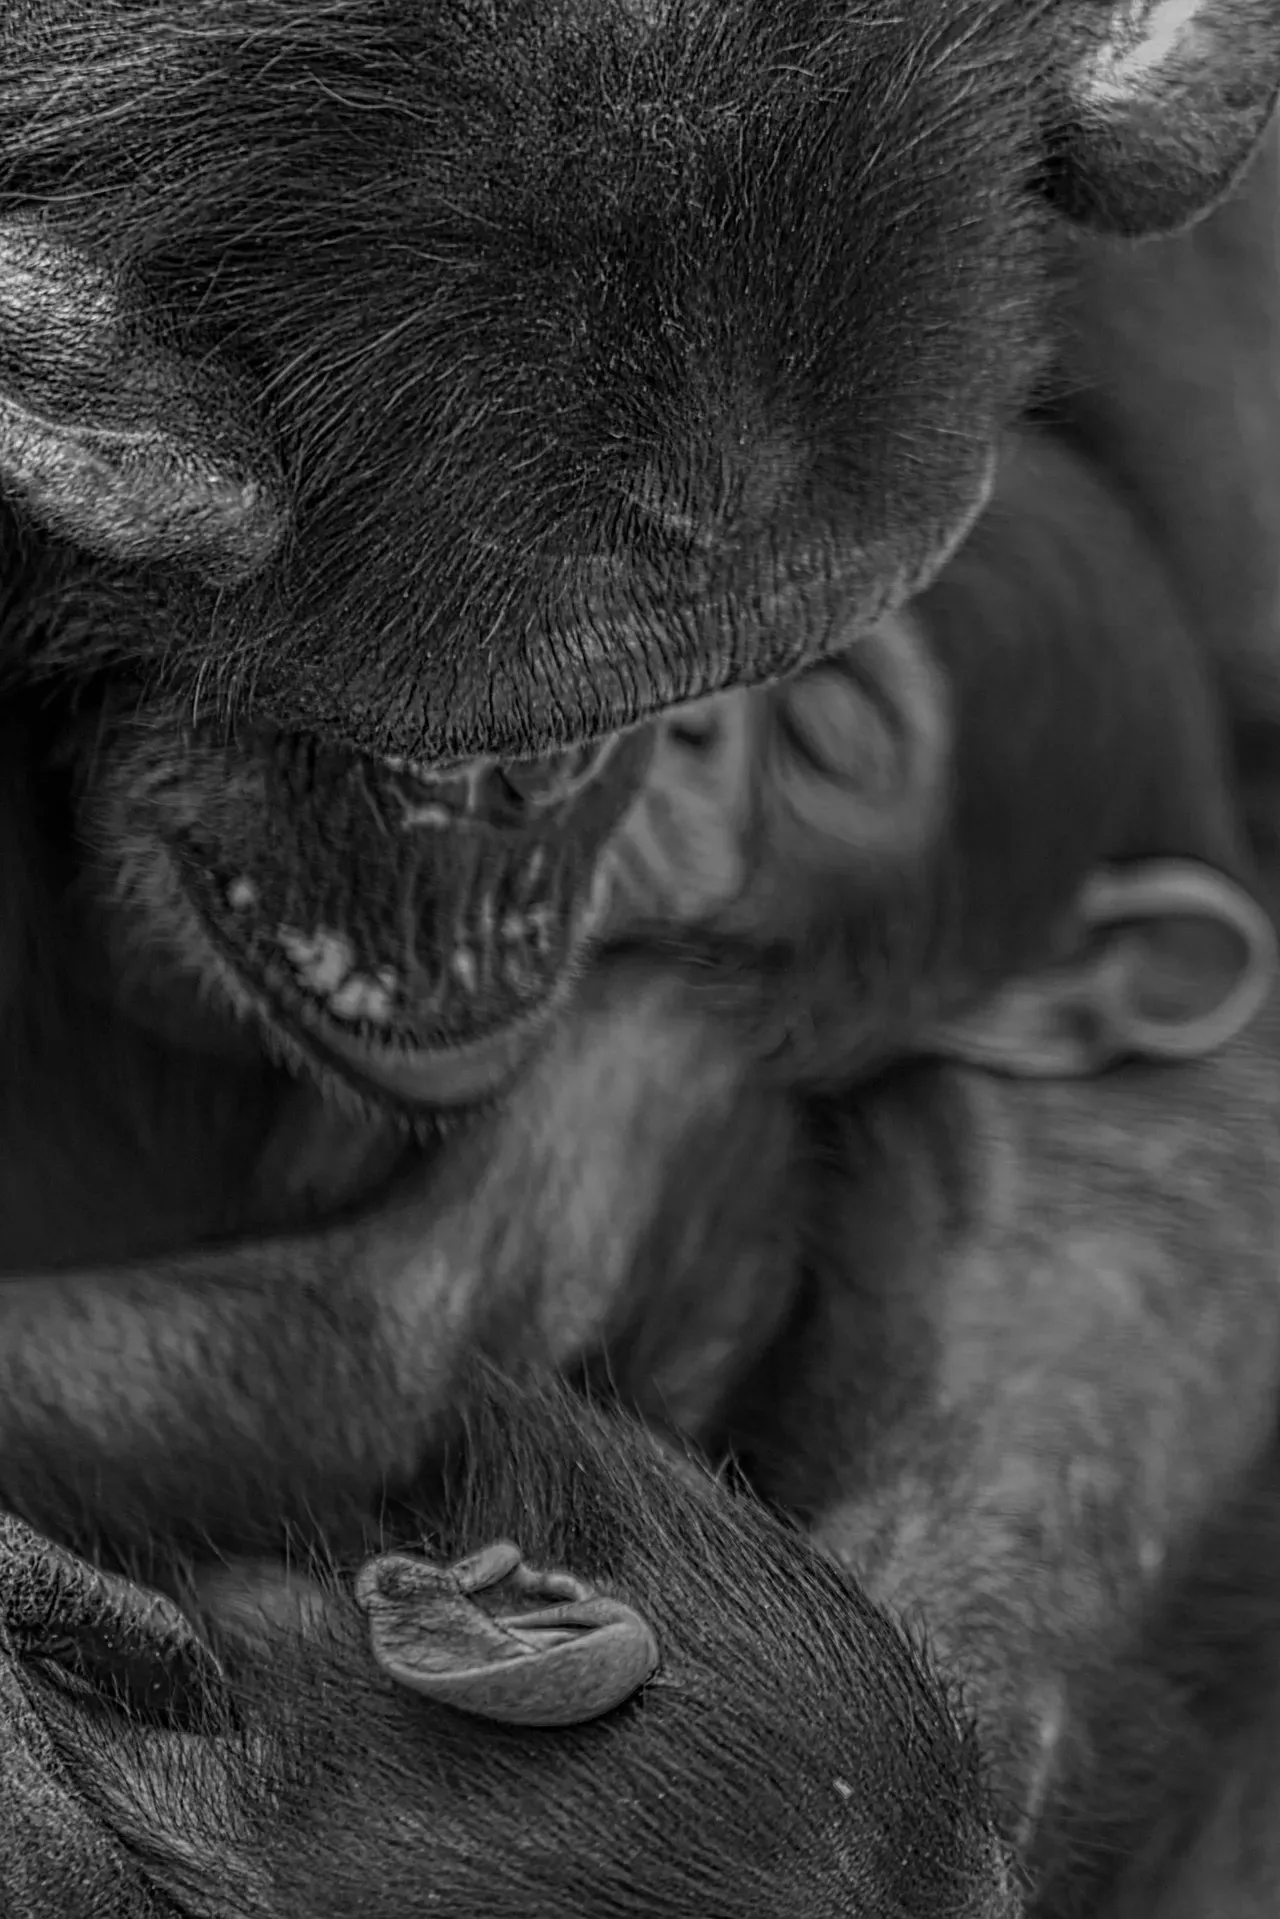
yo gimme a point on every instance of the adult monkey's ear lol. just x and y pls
(111, 437)
(1170, 960)
(492, 1637)
(1164, 103)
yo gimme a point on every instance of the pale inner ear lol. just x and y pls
(502, 1641)
(113, 440)
(1169, 960)
(1194, 957)
(1143, 42)
(136, 495)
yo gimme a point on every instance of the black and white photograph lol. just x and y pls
(639, 959)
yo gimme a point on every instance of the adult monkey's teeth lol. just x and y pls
(470, 788)
(463, 967)
(415, 769)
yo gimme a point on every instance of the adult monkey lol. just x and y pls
(1202, 1169)
(63, 426)
(628, 429)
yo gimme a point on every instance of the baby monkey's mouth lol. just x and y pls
(406, 927)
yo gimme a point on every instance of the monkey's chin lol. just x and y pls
(463, 1076)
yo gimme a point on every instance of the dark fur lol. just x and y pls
(832, 1779)
(1171, 1802)
(614, 445)
(537, 213)
(1025, 1456)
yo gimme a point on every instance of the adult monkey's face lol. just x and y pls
(417, 398)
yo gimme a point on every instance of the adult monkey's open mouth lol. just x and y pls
(391, 591)
(405, 929)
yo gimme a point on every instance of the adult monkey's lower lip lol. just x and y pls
(455, 1076)
(461, 1077)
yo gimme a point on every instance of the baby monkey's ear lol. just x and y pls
(1166, 960)
(492, 1637)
